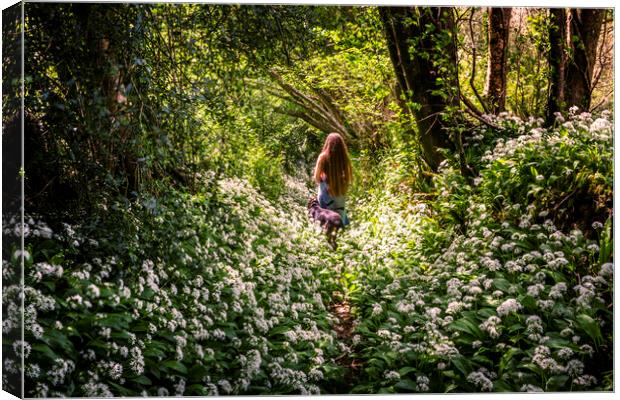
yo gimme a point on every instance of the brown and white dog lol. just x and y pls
(329, 220)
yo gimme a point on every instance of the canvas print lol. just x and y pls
(223, 199)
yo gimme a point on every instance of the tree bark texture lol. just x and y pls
(498, 35)
(557, 62)
(584, 30)
(413, 35)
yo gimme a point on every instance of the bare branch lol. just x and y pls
(320, 125)
(319, 111)
(474, 112)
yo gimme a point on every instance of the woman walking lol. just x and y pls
(333, 175)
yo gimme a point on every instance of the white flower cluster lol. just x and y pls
(509, 306)
(481, 379)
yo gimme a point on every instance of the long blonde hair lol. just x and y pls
(334, 162)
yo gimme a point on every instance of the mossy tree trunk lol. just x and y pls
(557, 62)
(498, 36)
(573, 39)
(584, 30)
(423, 55)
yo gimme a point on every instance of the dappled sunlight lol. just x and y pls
(224, 199)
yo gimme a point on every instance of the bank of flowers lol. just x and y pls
(505, 282)
(183, 295)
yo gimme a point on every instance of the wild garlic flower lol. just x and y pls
(534, 290)
(585, 380)
(391, 375)
(509, 306)
(422, 383)
(492, 326)
(481, 381)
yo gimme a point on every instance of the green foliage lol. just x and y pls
(168, 247)
(265, 172)
(479, 289)
(180, 294)
(356, 73)
(565, 173)
(135, 94)
(528, 79)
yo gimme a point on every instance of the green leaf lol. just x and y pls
(556, 275)
(501, 284)
(506, 358)
(480, 359)
(406, 385)
(590, 326)
(140, 326)
(175, 365)
(279, 330)
(450, 388)
(117, 321)
(405, 370)
(121, 390)
(534, 368)
(462, 364)
(196, 389)
(501, 386)
(515, 327)
(154, 370)
(449, 374)
(528, 302)
(557, 383)
(45, 349)
(557, 343)
(486, 312)
(197, 372)
(58, 338)
(466, 325)
(121, 335)
(153, 351)
(143, 380)
(606, 243)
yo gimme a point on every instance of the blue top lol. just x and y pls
(336, 203)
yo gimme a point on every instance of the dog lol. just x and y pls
(329, 220)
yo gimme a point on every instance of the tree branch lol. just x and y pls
(471, 110)
(319, 112)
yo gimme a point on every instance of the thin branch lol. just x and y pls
(603, 101)
(322, 126)
(320, 113)
(471, 110)
(602, 54)
(294, 92)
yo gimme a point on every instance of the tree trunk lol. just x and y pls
(584, 29)
(498, 28)
(420, 45)
(557, 63)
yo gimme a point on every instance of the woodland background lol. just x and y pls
(168, 158)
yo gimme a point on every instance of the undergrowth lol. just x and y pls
(505, 284)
